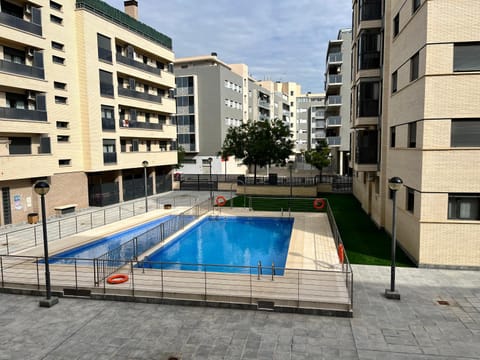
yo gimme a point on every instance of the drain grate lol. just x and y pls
(265, 305)
(443, 302)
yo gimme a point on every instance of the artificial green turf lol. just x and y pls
(364, 242)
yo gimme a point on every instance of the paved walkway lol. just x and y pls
(416, 327)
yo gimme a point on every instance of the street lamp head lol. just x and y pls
(145, 163)
(41, 187)
(290, 164)
(209, 160)
(395, 183)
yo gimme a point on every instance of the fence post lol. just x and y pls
(76, 276)
(76, 224)
(205, 276)
(91, 220)
(6, 237)
(95, 283)
(1, 269)
(104, 217)
(38, 276)
(133, 278)
(59, 229)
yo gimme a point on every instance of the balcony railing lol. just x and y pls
(334, 79)
(22, 114)
(125, 123)
(335, 58)
(13, 21)
(139, 95)
(21, 69)
(334, 100)
(110, 158)
(334, 140)
(108, 124)
(264, 103)
(334, 121)
(137, 64)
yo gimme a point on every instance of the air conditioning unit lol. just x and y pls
(30, 51)
(31, 95)
(28, 9)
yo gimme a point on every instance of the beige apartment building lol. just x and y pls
(86, 96)
(416, 115)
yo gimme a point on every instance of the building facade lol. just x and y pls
(85, 98)
(412, 62)
(337, 92)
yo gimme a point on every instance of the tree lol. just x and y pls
(180, 157)
(318, 157)
(259, 143)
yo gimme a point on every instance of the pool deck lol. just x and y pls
(313, 278)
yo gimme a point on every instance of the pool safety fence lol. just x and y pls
(106, 264)
(311, 291)
(59, 228)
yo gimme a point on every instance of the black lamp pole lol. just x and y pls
(145, 165)
(42, 188)
(395, 183)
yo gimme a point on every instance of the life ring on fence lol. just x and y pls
(220, 200)
(319, 204)
(341, 253)
(117, 278)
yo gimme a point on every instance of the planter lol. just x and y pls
(32, 218)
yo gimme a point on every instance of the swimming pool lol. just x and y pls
(231, 241)
(103, 245)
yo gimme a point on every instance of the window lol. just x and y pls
(370, 9)
(414, 66)
(20, 145)
(55, 6)
(108, 117)
(396, 25)
(58, 60)
(465, 133)
(64, 162)
(412, 135)
(63, 138)
(16, 101)
(369, 49)
(464, 206)
(62, 124)
(106, 83)
(60, 100)
(410, 199)
(466, 57)
(392, 136)
(394, 82)
(56, 19)
(57, 45)
(415, 5)
(109, 152)
(13, 55)
(104, 48)
(368, 98)
(59, 85)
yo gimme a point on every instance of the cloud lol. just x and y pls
(283, 40)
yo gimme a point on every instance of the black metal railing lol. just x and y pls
(22, 69)
(137, 64)
(13, 21)
(23, 114)
(139, 95)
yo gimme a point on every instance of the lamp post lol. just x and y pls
(394, 184)
(290, 168)
(210, 176)
(42, 188)
(145, 165)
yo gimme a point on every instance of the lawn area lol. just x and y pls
(364, 242)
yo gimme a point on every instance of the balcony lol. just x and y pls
(22, 114)
(263, 117)
(334, 121)
(137, 64)
(335, 58)
(21, 69)
(110, 158)
(139, 95)
(18, 23)
(333, 100)
(334, 80)
(125, 123)
(334, 140)
(264, 103)
(366, 150)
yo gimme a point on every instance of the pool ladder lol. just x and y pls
(260, 270)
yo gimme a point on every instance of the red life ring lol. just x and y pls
(117, 278)
(341, 253)
(319, 204)
(220, 201)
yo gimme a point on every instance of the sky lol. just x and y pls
(279, 40)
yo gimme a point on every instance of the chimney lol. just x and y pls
(213, 54)
(131, 8)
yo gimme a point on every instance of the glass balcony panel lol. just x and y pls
(22, 114)
(137, 64)
(20, 24)
(21, 69)
(139, 95)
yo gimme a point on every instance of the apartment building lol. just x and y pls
(337, 104)
(415, 115)
(85, 98)
(211, 97)
(310, 120)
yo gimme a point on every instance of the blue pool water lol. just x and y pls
(235, 241)
(103, 245)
